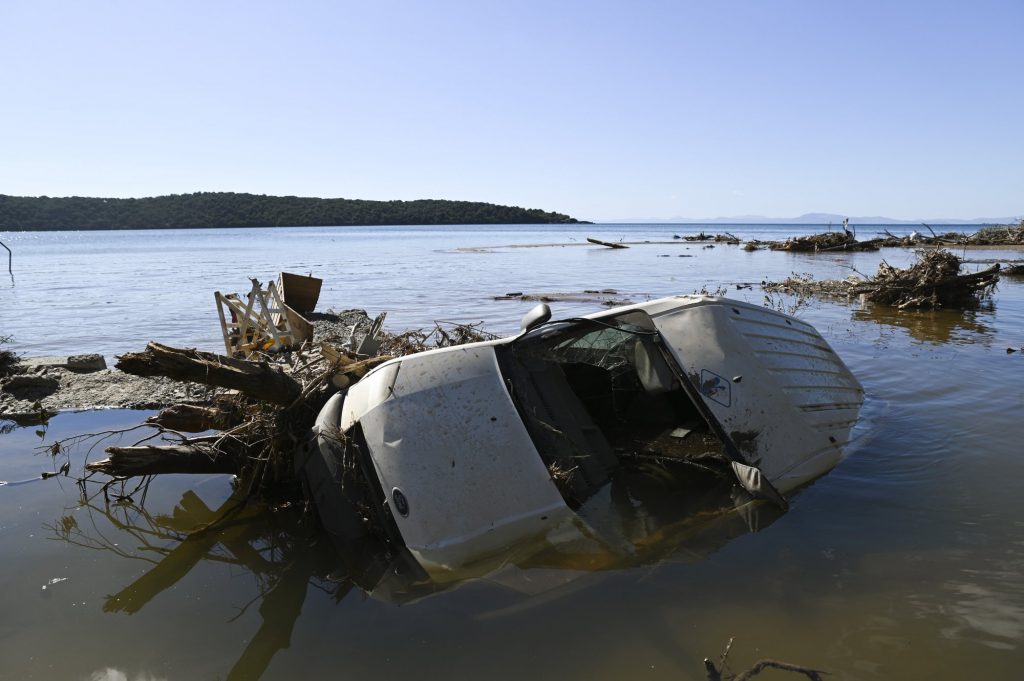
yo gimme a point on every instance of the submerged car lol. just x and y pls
(461, 454)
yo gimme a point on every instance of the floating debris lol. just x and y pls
(999, 235)
(826, 241)
(725, 238)
(609, 244)
(934, 281)
(996, 235)
(608, 297)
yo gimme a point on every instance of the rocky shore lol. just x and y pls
(80, 382)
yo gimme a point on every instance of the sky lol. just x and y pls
(602, 110)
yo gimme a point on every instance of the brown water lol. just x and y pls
(906, 561)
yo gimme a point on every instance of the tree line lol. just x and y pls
(227, 209)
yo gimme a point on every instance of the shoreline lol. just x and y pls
(56, 386)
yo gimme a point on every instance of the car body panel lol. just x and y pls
(443, 431)
(776, 387)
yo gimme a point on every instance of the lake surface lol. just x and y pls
(906, 561)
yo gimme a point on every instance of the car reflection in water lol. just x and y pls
(285, 552)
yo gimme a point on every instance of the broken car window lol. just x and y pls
(599, 398)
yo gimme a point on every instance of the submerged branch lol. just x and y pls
(202, 457)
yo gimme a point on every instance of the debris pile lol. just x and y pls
(826, 241)
(724, 238)
(916, 239)
(999, 235)
(932, 282)
(263, 418)
(261, 400)
(996, 235)
(443, 335)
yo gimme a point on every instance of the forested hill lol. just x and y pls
(219, 209)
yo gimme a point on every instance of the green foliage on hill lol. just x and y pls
(223, 209)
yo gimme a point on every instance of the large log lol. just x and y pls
(256, 379)
(127, 462)
(192, 418)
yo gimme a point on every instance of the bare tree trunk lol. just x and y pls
(256, 379)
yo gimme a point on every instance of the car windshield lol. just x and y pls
(599, 397)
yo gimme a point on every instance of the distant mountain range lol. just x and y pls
(815, 219)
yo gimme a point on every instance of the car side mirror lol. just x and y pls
(535, 317)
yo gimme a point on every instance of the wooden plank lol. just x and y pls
(302, 329)
(301, 293)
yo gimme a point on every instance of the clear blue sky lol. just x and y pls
(602, 110)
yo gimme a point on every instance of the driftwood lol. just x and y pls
(725, 238)
(259, 438)
(996, 235)
(827, 241)
(259, 380)
(721, 671)
(260, 424)
(192, 418)
(934, 281)
(126, 462)
(715, 675)
(609, 244)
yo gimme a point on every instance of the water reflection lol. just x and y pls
(286, 554)
(935, 326)
(273, 546)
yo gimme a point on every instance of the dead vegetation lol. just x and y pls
(723, 238)
(934, 281)
(826, 241)
(264, 419)
(999, 235)
(8, 360)
(443, 335)
(846, 240)
(995, 235)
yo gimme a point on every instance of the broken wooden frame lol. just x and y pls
(263, 323)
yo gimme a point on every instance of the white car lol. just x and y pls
(464, 453)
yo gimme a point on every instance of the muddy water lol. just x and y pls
(904, 562)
